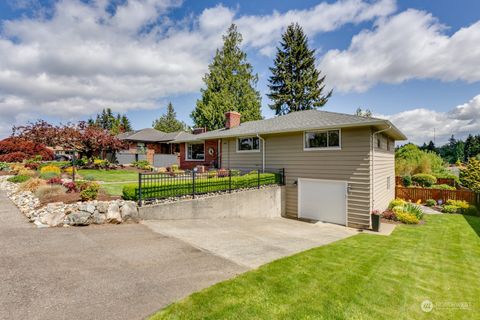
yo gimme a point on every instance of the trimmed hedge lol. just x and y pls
(423, 179)
(175, 188)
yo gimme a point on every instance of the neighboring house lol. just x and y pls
(338, 167)
(157, 147)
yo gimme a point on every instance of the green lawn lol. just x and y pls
(363, 277)
(115, 179)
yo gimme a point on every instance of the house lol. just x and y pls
(155, 146)
(338, 167)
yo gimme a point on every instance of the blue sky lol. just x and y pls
(412, 62)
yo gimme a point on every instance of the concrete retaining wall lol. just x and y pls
(265, 203)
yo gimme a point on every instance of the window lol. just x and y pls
(141, 147)
(322, 139)
(251, 144)
(195, 151)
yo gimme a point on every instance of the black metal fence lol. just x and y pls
(152, 186)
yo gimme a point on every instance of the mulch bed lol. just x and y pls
(75, 197)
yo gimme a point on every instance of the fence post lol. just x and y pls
(258, 179)
(229, 181)
(139, 189)
(193, 184)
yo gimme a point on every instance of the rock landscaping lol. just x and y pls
(74, 214)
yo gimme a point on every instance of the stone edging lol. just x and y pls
(75, 214)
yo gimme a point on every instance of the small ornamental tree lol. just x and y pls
(470, 175)
(15, 149)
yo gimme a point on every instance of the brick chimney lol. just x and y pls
(199, 130)
(232, 119)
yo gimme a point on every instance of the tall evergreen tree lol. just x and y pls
(169, 122)
(114, 123)
(230, 86)
(296, 84)
(472, 147)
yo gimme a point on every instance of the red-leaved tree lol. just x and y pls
(16, 149)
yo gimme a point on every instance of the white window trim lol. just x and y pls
(186, 153)
(248, 151)
(322, 148)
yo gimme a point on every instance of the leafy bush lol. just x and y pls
(32, 165)
(443, 187)
(101, 163)
(141, 164)
(397, 209)
(46, 191)
(407, 180)
(55, 180)
(471, 211)
(4, 166)
(212, 173)
(430, 203)
(48, 175)
(407, 218)
(59, 164)
(389, 215)
(423, 179)
(71, 187)
(462, 204)
(17, 156)
(450, 209)
(470, 175)
(18, 179)
(89, 191)
(26, 172)
(53, 169)
(69, 170)
(409, 160)
(396, 202)
(169, 188)
(32, 184)
(413, 209)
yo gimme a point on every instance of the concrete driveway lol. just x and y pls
(251, 242)
(104, 272)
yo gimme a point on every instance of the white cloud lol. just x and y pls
(419, 124)
(411, 44)
(77, 57)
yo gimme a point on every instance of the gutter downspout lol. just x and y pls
(263, 152)
(373, 167)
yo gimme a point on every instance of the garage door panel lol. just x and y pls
(323, 200)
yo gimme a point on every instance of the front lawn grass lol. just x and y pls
(110, 175)
(363, 277)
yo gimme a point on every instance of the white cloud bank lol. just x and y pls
(418, 124)
(410, 45)
(77, 57)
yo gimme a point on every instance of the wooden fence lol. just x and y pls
(415, 194)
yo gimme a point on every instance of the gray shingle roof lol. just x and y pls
(153, 135)
(297, 121)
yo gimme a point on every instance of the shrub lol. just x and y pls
(4, 166)
(59, 164)
(407, 218)
(48, 175)
(55, 180)
(71, 187)
(50, 168)
(222, 173)
(450, 209)
(26, 172)
(462, 204)
(17, 156)
(389, 215)
(413, 209)
(46, 191)
(32, 165)
(397, 209)
(18, 179)
(253, 172)
(212, 173)
(141, 164)
(470, 175)
(100, 163)
(396, 202)
(90, 191)
(443, 187)
(31, 184)
(430, 203)
(423, 179)
(174, 167)
(471, 211)
(407, 180)
(235, 172)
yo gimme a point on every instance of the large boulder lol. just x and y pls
(99, 218)
(102, 206)
(79, 218)
(113, 213)
(129, 211)
(53, 218)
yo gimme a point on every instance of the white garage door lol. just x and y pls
(323, 200)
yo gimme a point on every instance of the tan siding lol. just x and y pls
(351, 163)
(384, 168)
